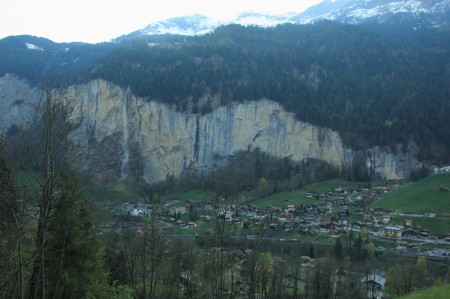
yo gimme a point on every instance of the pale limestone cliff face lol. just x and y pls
(17, 102)
(130, 136)
(391, 166)
(170, 141)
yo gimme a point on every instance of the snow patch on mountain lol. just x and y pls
(262, 20)
(33, 47)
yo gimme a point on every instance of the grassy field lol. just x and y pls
(196, 195)
(298, 197)
(423, 196)
(438, 225)
(436, 292)
(283, 199)
(117, 192)
(324, 186)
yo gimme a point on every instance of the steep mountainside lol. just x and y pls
(129, 137)
(367, 86)
(376, 90)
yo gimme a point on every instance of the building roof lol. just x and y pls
(374, 278)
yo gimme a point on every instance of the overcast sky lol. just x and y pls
(101, 20)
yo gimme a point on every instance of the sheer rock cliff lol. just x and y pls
(131, 137)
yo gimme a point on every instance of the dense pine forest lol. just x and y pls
(373, 84)
(375, 89)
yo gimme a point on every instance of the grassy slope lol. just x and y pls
(438, 225)
(196, 195)
(422, 196)
(436, 292)
(298, 197)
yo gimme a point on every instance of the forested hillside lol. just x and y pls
(376, 90)
(375, 86)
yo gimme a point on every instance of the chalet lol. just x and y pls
(401, 245)
(305, 228)
(273, 226)
(192, 224)
(206, 217)
(357, 225)
(424, 233)
(326, 224)
(367, 218)
(408, 222)
(291, 208)
(286, 215)
(343, 221)
(177, 210)
(379, 211)
(136, 212)
(335, 233)
(307, 265)
(442, 169)
(306, 259)
(410, 233)
(392, 232)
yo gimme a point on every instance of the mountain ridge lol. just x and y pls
(414, 12)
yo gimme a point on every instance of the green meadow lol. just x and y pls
(437, 225)
(436, 292)
(423, 196)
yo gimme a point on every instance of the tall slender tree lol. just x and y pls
(58, 118)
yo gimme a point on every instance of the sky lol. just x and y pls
(95, 21)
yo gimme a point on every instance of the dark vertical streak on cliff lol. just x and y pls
(197, 138)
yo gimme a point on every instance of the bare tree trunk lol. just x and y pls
(58, 121)
(156, 250)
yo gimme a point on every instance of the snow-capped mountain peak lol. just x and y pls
(380, 11)
(198, 24)
(184, 25)
(427, 13)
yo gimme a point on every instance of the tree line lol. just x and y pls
(255, 173)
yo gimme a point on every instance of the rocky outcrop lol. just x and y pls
(17, 102)
(127, 136)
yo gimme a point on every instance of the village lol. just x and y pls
(336, 213)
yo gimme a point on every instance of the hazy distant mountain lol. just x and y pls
(424, 12)
(198, 24)
(416, 13)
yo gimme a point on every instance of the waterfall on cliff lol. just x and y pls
(126, 150)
